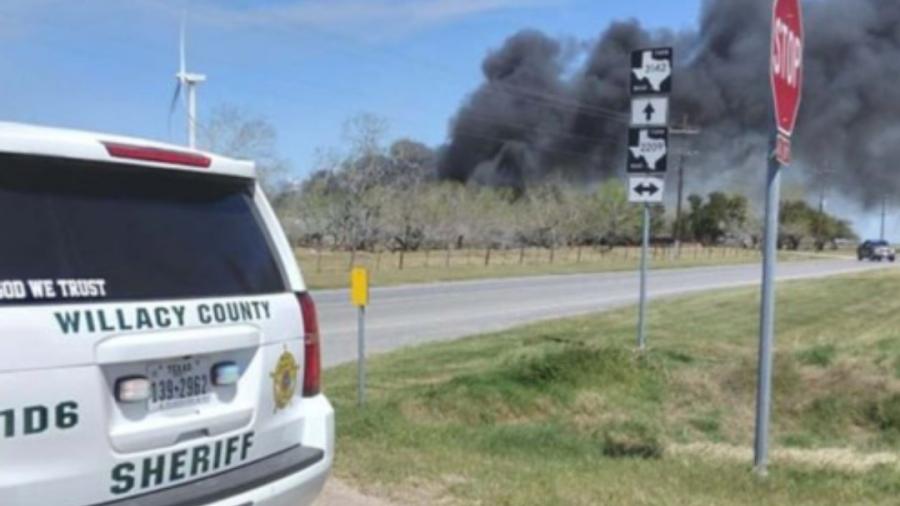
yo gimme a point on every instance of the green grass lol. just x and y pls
(330, 269)
(566, 412)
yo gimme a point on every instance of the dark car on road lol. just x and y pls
(876, 250)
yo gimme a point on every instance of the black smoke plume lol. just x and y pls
(559, 107)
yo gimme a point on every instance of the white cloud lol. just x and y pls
(370, 19)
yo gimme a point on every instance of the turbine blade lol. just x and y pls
(175, 98)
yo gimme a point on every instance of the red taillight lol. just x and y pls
(312, 373)
(148, 154)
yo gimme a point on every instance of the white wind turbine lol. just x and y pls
(189, 81)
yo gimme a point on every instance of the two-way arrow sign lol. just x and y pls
(645, 189)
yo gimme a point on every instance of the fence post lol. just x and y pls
(487, 256)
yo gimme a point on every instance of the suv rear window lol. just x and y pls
(119, 232)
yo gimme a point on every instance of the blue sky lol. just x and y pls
(305, 65)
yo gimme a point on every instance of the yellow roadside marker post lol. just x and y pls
(359, 297)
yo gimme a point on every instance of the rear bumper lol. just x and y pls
(293, 477)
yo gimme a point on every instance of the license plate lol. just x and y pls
(178, 383)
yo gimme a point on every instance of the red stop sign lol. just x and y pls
(786, 66)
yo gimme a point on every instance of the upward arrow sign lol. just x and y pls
(649, 111)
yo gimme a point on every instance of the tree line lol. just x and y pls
(373, 196)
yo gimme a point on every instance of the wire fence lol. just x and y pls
(331, 261)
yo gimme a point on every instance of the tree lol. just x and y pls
(444, 207)
(722, 217)
(800, 222)
(795, 223)
(488, 215)
(618, 221)
(346, 184)
(237, 133)
(401, 191)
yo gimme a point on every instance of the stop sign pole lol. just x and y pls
(786, 73)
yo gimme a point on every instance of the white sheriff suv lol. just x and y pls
(158, 346)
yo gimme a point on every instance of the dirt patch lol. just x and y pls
(839, 459)
(338, 493)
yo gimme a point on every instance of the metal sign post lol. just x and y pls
(648, 147)
(645, 244)
(359, 297)
(361, 360)
(767, 315)
(786, 74)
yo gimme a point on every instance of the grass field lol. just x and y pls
(329, 269)
(566, 412)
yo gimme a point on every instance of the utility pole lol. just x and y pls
(684, 131)
(823, 176)
(883, 215)
(678, 232)
(823, 172)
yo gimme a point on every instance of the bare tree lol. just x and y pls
(235, 132)
(617, 221)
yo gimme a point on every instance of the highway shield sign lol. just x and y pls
(651, 71)
(647, 150)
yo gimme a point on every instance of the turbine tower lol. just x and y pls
(190, 81)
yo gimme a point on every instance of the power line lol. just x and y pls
(493, 119)
(470, 133)
(590, 110)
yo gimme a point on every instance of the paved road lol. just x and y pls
(412, 314)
